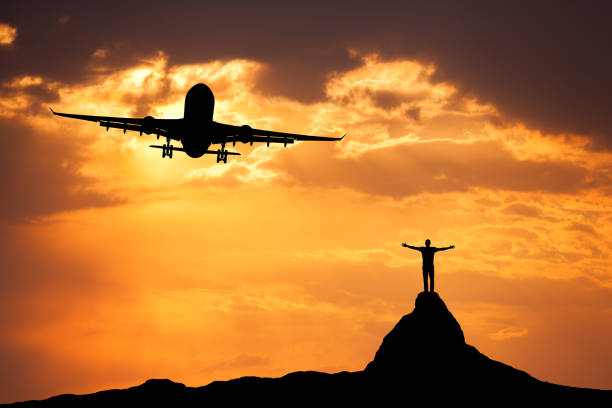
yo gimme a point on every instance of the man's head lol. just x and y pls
(427, 242)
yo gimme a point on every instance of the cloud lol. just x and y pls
(451, 148)
(301, 242)
(436, 167)
(26, 95)
(522, 59)
(8, 34)
(583, 228)
(524, 210)
(509, 333)
(40, 174)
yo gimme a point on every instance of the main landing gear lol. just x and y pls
(222, 155)
(167, 149)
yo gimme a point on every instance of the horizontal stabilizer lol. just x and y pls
(226, 152)
(178, 149)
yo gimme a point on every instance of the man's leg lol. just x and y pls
(431, 280)
(425, 279)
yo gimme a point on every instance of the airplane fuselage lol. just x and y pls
(196, 135)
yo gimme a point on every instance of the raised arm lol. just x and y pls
(445, 248)
(410, 246)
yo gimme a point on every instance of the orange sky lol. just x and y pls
(120, 266)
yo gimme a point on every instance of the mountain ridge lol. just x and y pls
(424, 357)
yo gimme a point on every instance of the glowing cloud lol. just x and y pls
(7, 34)
(173, 261)
(509, 333)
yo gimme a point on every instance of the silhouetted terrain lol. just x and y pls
(424, 358)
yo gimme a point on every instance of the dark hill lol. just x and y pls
(424, 358)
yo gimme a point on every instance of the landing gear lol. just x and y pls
(167, 149)
(222, 156)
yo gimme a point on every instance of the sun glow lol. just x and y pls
(289, 258)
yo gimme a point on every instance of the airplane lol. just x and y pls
(197, 130)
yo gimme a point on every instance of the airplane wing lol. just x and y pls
(246, 134)
(294, 136)
(148, 125)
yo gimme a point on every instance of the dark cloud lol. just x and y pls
(143, 102)
(39, 174)
(546, 63)
(388, 100)
(414, 114)
(438, 167)
(37, 97)
(584, 228)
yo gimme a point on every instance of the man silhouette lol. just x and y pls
(428, 257)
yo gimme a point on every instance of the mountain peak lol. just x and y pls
(429, 335)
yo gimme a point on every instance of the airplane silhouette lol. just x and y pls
(196, 130)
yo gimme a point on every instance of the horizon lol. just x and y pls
(488, 130)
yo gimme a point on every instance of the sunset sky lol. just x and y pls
(488, 127)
